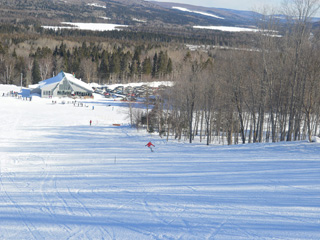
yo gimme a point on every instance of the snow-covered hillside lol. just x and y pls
(64, 179)
(227, 28)
(197, 12)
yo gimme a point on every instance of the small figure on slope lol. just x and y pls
(90, 122)
(149, 145)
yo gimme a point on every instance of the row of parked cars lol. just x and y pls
(130, 92)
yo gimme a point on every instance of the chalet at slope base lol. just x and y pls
(62, 85)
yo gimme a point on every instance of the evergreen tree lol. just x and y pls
(115, 64)
(135, 68)
(62, 49)
(14, 54)
(139, 70)
(54, 65)
(55, 51)
(136, 56)
(125, 65)
(2, 49)
(155, 72)
(94, 54)
(75, 67)
(75, 61)
(169, 66)
(84, 49)
(104, 66)
(147, 66)
(65, 65)
(36, 76)
(162, 64)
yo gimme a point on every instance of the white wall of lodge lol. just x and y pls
(64, 88)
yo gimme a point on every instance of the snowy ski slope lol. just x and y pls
(64, 179)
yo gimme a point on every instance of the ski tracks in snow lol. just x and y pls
(31, 228)
(49, 201)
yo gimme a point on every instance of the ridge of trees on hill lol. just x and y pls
(57, 11)
(30, 28)
(91, 62)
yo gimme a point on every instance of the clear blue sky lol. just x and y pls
(232, 4)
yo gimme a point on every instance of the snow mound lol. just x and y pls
(8, 88)
(315, 139)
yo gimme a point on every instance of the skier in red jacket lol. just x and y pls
(149, 144)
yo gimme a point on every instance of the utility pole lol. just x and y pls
(21, 80)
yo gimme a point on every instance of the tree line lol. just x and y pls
(90, 62)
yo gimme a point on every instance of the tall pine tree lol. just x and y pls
(147, 66)
(36, 76)
(162, 64)
(155, 72)
(169, 66)
(104, 70)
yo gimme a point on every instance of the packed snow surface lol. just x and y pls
(64, 179)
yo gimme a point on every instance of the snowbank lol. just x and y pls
(315, 139)
(8, 88)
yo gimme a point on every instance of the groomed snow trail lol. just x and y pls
(64, 179)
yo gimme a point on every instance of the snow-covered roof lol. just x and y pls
(53, 80)
(56, 79)
(72, 78)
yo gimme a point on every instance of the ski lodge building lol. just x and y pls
(62, 85)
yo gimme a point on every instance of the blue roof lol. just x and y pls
(52, 80)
